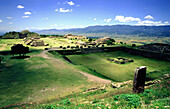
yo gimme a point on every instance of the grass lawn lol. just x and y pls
(37, 79)
(118, 72)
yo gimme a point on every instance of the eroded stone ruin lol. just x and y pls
(120, 60)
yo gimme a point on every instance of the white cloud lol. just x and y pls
(77, 5)
(56, 10)
(26, 13)
(64, 10)
(126, 19)
(149, 17)
(94, 19)
(10, 22)
(107, 20)
(166, 22)
(1, 20)
(151, 23)
(70, 3)
(20, 6)
(9, 17)
(25, 16)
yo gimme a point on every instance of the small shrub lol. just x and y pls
(77, 46)
(133, 45)
(95, 101)
(121, 42)
(131, 100)
(60, 46)
(65, 102)
(50, 106)
(72, 47)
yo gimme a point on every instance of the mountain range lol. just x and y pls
(158, 31)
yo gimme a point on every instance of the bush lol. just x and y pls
(90, 39)
(131, 100)
(77, 46)
(133, 45)
(72, 47)
(121, 42)
(109, 42)
(65, 102)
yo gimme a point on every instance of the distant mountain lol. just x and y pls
(114, 29)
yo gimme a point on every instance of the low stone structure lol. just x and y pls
(70, 36)
(102, 40)
(120, 60)
(34, 42)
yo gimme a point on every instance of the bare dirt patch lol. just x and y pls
(3, 47)
(95, 78)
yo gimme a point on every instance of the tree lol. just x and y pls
(12, 35)
(1, 58)
(90, 39)
(109, 42)
(112, 40)
(19, 49)
(133, 45)
(121, 42)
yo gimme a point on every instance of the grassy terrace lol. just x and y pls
(37, 79)
(118, 72)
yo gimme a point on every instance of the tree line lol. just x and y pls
(19, 35)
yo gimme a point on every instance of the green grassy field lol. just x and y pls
(118, 72)
(37, 79)
(154, 97)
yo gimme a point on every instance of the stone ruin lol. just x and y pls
(70, 36)
(34, 42)
(120, 60)
(103, 40)
(158, 47)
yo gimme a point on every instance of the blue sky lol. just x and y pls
(17, 15)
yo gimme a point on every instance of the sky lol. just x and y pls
(18, 15)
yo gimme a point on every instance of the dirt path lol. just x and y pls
(89, 76)
(44, 55)
(2, 48)
(95, 78)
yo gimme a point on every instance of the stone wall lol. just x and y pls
(144, 53)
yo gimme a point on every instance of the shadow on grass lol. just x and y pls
(20, 57)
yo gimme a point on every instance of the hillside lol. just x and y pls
(114, 29)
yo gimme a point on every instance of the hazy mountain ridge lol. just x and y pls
(115, 29)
